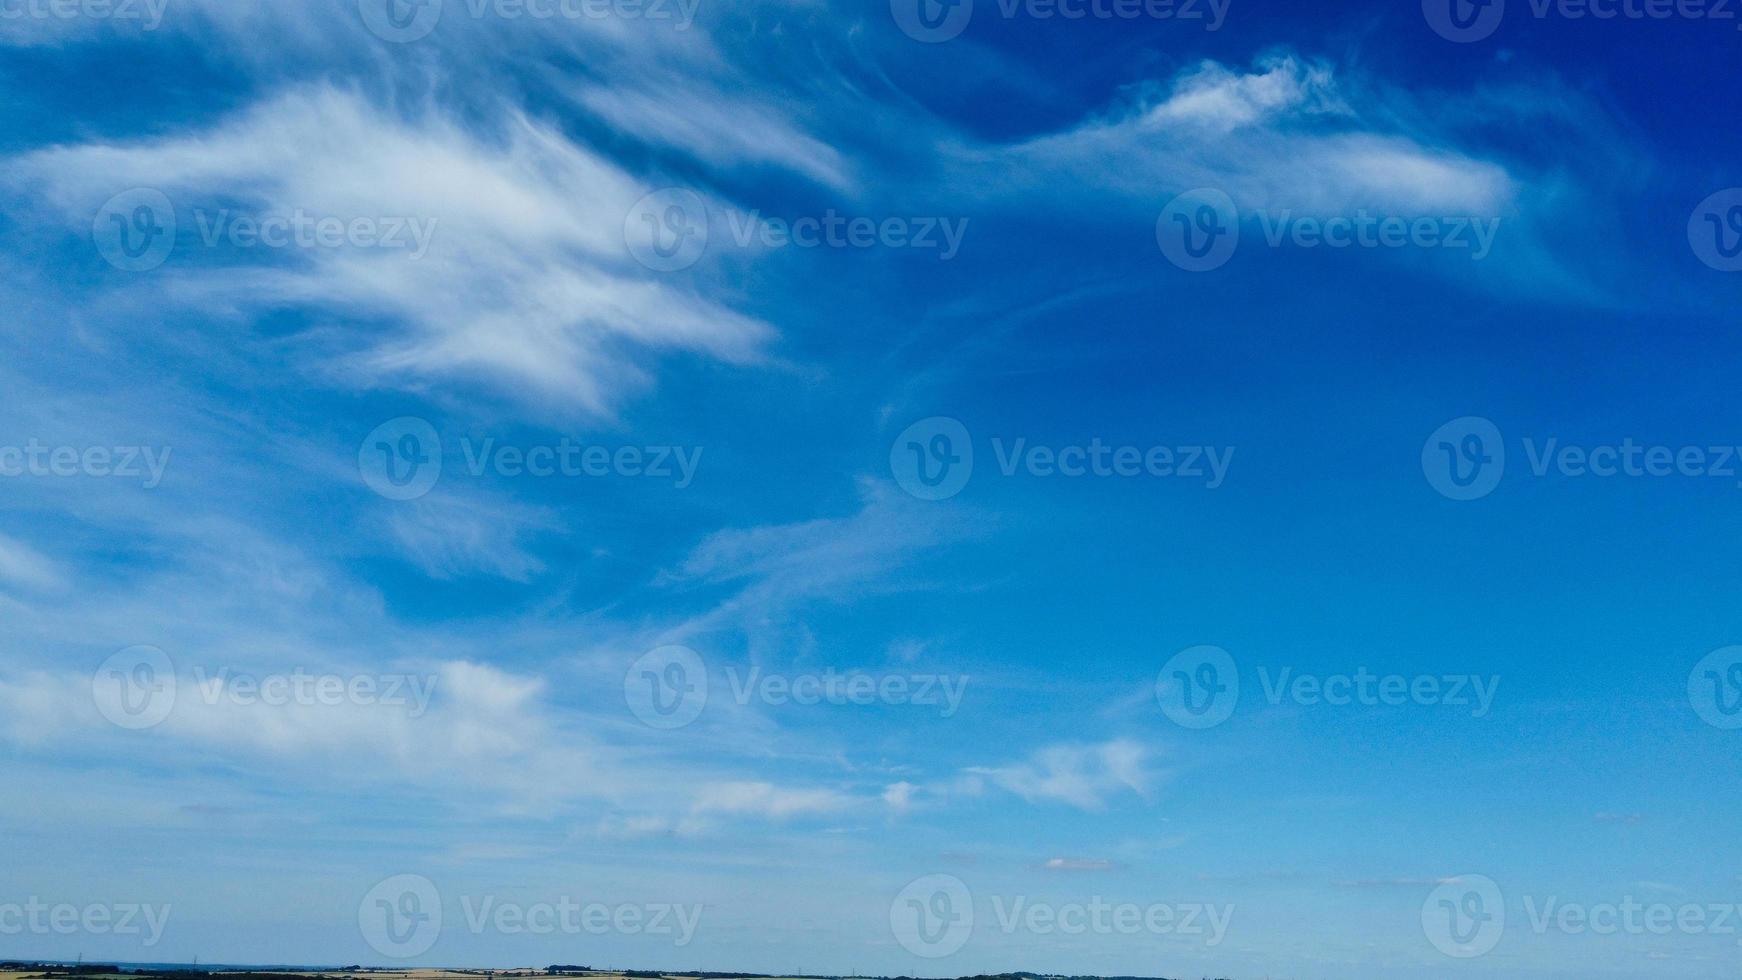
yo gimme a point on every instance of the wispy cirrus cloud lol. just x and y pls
(779, 566)
(1284, 134)
(527, 285)
(1086, 776)
(764, 799)
(21, 565)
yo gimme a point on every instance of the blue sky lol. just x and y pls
(500, 241)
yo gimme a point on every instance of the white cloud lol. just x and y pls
(1225, 100)
(38, 707)
(646, 826)
(1077, 864)
(527, 285)
(776, 566)
(451, 535)
(721, 129)
(899, 796)
(767, 800)
(484, 730)
(1284, 135)
(23, 566)
(1083, 776)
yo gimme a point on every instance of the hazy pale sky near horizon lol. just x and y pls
(1237, 488)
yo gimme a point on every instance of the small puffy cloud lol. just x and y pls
(899, 796)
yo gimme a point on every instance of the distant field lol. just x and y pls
(367, 974)
(415, 974)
